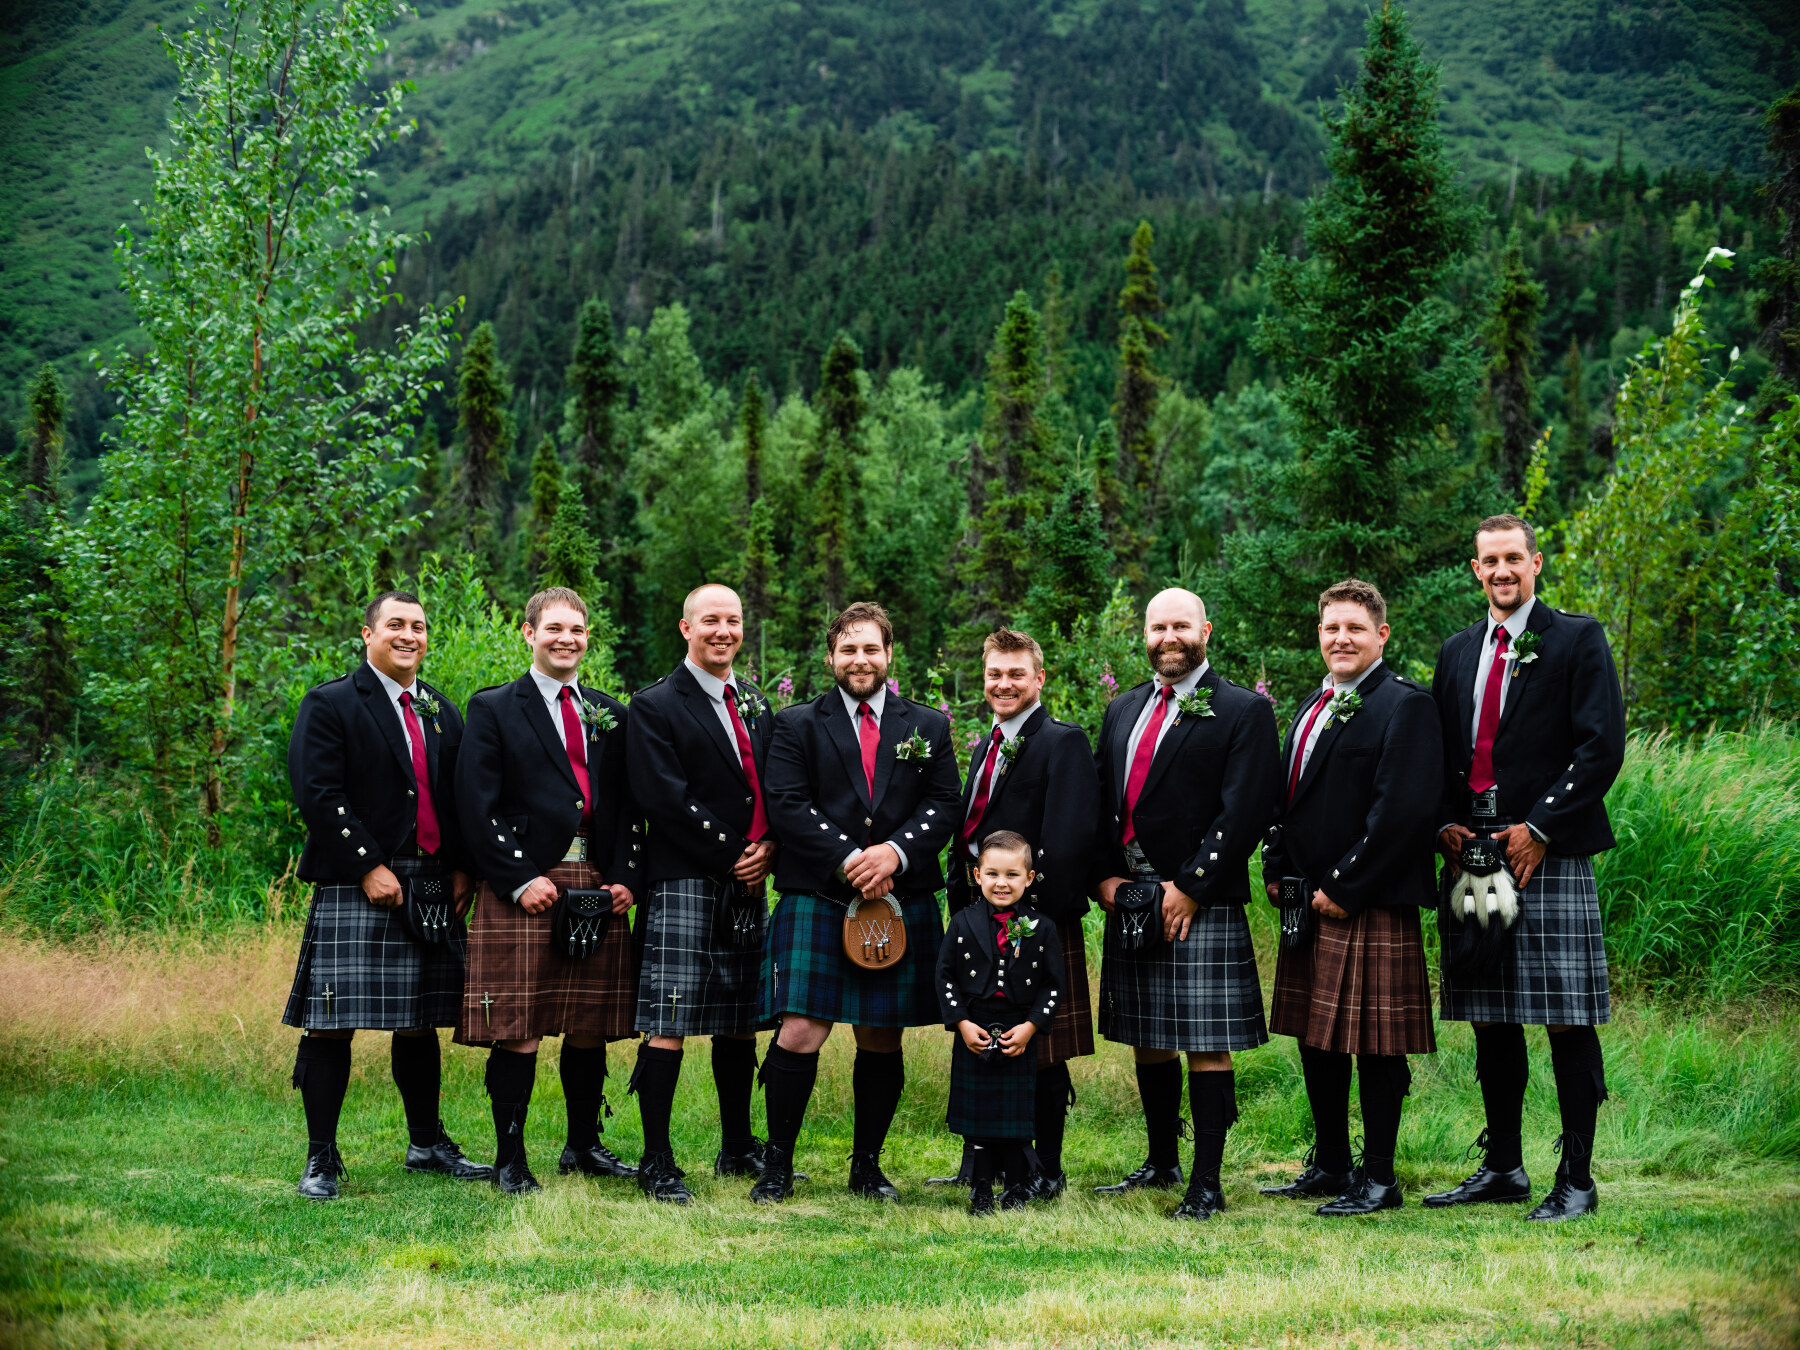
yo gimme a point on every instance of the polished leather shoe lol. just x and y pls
(319, 1180)
(742, 1161)
(1149, 1175)
(596, 1161)
(515, 1177)
(1017, 1197)
(1047, 1185)
(1311, 1184)
(1200, 1202)
(1484, 1186)
(659, 1178)
(868, 1180)
(1365, 1196)
(1566, 1201)
(981, 1200)
(446, 1157)
(777, 1180)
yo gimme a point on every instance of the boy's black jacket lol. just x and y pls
(1035, 981)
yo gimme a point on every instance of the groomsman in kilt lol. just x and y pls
(541, 783)
(862, 792)
(1190, 783)
(698, 745)
(371, 760)
(1363, 758)
(1534, 735)
(1035, 776)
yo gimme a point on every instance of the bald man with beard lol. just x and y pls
(1190, 779)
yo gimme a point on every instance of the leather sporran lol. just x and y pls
(738, 917)
(1482, 907)
(1137, 916)
(429, 910)
(1298, 921)
(874, 933)
(579, 920)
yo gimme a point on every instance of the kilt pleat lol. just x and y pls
(1071, 1032)
(1359, 987)
(360, 969)
(805, 971)
(535, 990)
(1556, 972)
(997, 1098)
(690, 984)
(1198, 995)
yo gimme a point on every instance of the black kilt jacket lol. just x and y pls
(819, 804)
(969, 961)
(519, 796)
(1363, 821)
(1050, 793)
(1213, 791)
(688, 779)
(352, 778)
(1561, 739)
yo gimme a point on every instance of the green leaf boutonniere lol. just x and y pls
(1344, 705)
(1019, 929)
(1524, 650)
(428, 706)
(1196, 704)
(750, 705)
(598, 718)
(914, 749)
(1009, 751)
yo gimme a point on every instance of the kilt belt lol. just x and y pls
(992, 1098)
(1359, 987)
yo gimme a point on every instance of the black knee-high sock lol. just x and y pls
(510, 1077)
(876, 1083)
(1327, 1074)
(787, 1079)
(1212, 1096)
(654, 1080)
(1580, 1088)
(1382, 1082)
(322, 1073)
(1015, 1166)
(1050, 1115)
(583, 1073)
(734, 1072)
(1159, 1085)
(417, 1066)
(1503, 1069)
(984, 1158)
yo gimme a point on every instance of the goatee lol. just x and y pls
(1172, 665)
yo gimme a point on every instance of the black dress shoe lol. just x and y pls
(981, 1200)
(514, 1178)
(1311, 1184)
(868, 1180)
(324, 1165)
(740, 1161)
(1200, 1202)
(1484, 1186)
(1566, 1201)
(1365, 1196)
(444, 1156)
(1017, 1197)
(1150, 1175)
(1048, 1185)
(777, 1180)
(965, 1172)
(659, 1178)
(595, 1161)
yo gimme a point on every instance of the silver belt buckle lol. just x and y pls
(1135, 859)
(578, 849)
(1485, 806)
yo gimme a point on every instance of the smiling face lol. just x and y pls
(1506, 569)
(713, 624)
(1011, 683)
(1004, 875)
(396, 643)
(1349, 639)
(859, 661)
(1175, 634)
(558, 642)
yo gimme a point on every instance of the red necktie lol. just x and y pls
(1140, 762)
(1001, 917)
(573, 743)
(1300, 745)
(427, 829)
(759, 823)
(871, 741)
(982, 788)
(1481, 772)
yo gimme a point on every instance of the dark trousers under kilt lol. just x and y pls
(693, 981)
(805, 971)
(360, 968)
(1359, 987)
(1198, 995)
(992, 1098)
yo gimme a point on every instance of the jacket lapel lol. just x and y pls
(386, 717)
(1003, 770)
(1134, 701)
(896, 726)
(1332, 734)
(1519, 677)
(539, 717)
(1466, 662)
(1170, 749)
(433, 738)
(843, 734)
(700, 708)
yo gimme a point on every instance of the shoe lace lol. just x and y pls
(1480, 1145)
(1312, 1156)
(330, 1161)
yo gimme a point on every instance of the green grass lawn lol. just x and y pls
(150, 1144)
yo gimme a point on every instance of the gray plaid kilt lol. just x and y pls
(1201, 994)
(691, 984)
(992, 1098)
(1556, 975)
(378, 976)
(805, 971)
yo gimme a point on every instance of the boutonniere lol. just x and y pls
(1196, 704)
(1344, 705)
(1009, 751)
(750, 705)
(915, 748)
(1019, 929)
(1524, 651)
(597, 716)
(428, 706)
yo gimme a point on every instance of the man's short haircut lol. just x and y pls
(1495, 524)
(1352, 591)
(861, 611)
(1012, 640)
(373, 610)
(1006, 841)
(687, 603)
(553, 595)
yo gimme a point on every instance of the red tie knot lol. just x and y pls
(406, 698)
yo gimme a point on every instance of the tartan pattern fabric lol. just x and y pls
(380, 977)
(690, 984)
(537, 991)
(1556, 975)
(997, 1098)
(805, 971)
(1359, 986)
(1201, 994)
(1071, 1033)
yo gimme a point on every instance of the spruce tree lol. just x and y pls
(1511, 340)
(1577, 424)
(760, 561)
(42, 661)
(546, 502)
(482, 395)
(596, 384)
(42, 446)
(568, 554)
(838, 515)
(1071, 560)
(1129, 500)
(1779, 276)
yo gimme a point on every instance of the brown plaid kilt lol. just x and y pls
(535, 990)
(1359, 987)
(1071, 1032)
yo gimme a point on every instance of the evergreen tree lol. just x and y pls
(1131, 507)
(760, 561)
(483, 394)
(568, 553)
(596, 383)
(1779, 277)
(546, 502)
(1577, 424)
(837, 515)
(1512, 351)
(1071, 560)
(41, 657)
(42, 444)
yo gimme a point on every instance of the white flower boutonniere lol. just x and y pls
(1196, 704)
(914, 749)
(1344, 705)
(1524, 651)
(597, 717)
(428, 706)
(750, 705)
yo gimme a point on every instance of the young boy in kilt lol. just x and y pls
(541, 782)
(1000, 977)
(1362, 756)
(371, 760)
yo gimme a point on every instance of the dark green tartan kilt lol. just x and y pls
(805, 971)
(993, 1098)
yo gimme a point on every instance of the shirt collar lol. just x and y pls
(1331, 683)
(1010, 728)
(877, 701)
(393, 687)
(549, 687)
(1515, 622)
(1190, 681)
(715, 687)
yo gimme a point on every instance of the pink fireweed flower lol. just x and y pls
(786, 687)
(1262, 687)
(894, 687)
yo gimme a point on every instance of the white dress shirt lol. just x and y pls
(714, 688)
(877, 702)
(394, 690)
(1009, 731)
(1183, 687)
(1514, 625)
(1330, 682)
(551, 688)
